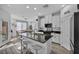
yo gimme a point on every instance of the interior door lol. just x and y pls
(76, 33)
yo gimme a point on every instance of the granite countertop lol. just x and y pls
(41, 41)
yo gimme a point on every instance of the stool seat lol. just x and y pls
(36, 48)
(27, 42)
(25, 46)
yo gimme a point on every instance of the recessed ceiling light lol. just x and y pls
(35, 8)
(27, 7)
(63, 5)
(8, 5)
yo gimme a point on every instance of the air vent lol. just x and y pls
(45, 6)
(56, 13)
(40, 17)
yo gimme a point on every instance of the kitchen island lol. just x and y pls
(41, 46)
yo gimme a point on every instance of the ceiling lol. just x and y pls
(30, 10)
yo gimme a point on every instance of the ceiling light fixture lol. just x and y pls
(63, 5)
(27, 7)
(35, 8)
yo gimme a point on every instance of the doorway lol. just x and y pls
(76, 32)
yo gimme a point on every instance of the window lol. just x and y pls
(21, 25)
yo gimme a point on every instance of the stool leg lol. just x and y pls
(36, 51)
(34, 36)
(21, 47)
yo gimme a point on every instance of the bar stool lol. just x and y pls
(36, 48)
(27, 44)
(21, 39)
